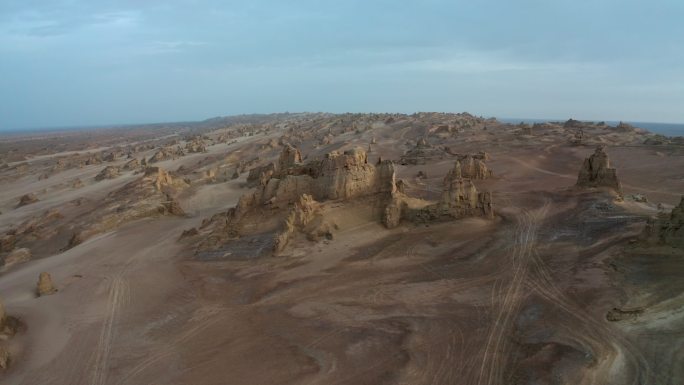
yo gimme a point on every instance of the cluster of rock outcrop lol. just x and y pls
(459, 199)
(667, 229)
(150, 195)
(167, 153)
(15, 242)
(596, 172)
(338, 176)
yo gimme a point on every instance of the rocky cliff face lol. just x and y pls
(596, 172)
(667, 229)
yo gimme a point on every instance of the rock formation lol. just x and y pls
(195, 145)
(667, 229)
(133, 164)
(17, 256)
(148, 196)
(27, 199)
(337, 176)
(596, 172)
(422, 153)
(45, 286)
(473, 168)
(76, 183)
(166, 153)
(260, 175)
(109, 172)
(7, 242)
(300, 218)
(290, 156)
(459, 199)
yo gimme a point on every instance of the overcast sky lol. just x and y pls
(86, 62)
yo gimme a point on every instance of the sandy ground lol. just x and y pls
(521, 299)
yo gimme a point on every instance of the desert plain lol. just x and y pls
(318, 248)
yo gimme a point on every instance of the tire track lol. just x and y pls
(511, 296)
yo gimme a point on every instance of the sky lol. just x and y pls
(88, 62)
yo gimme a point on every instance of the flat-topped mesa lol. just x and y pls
(596, 172)
(668, 230)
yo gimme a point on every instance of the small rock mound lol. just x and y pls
(596, 172)
(27, 199)
(45, 286)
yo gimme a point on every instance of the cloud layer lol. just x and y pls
(76, 62)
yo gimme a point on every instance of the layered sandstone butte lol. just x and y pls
(667, 229)
(596, 172)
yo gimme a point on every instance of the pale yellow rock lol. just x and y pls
(45, 286)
